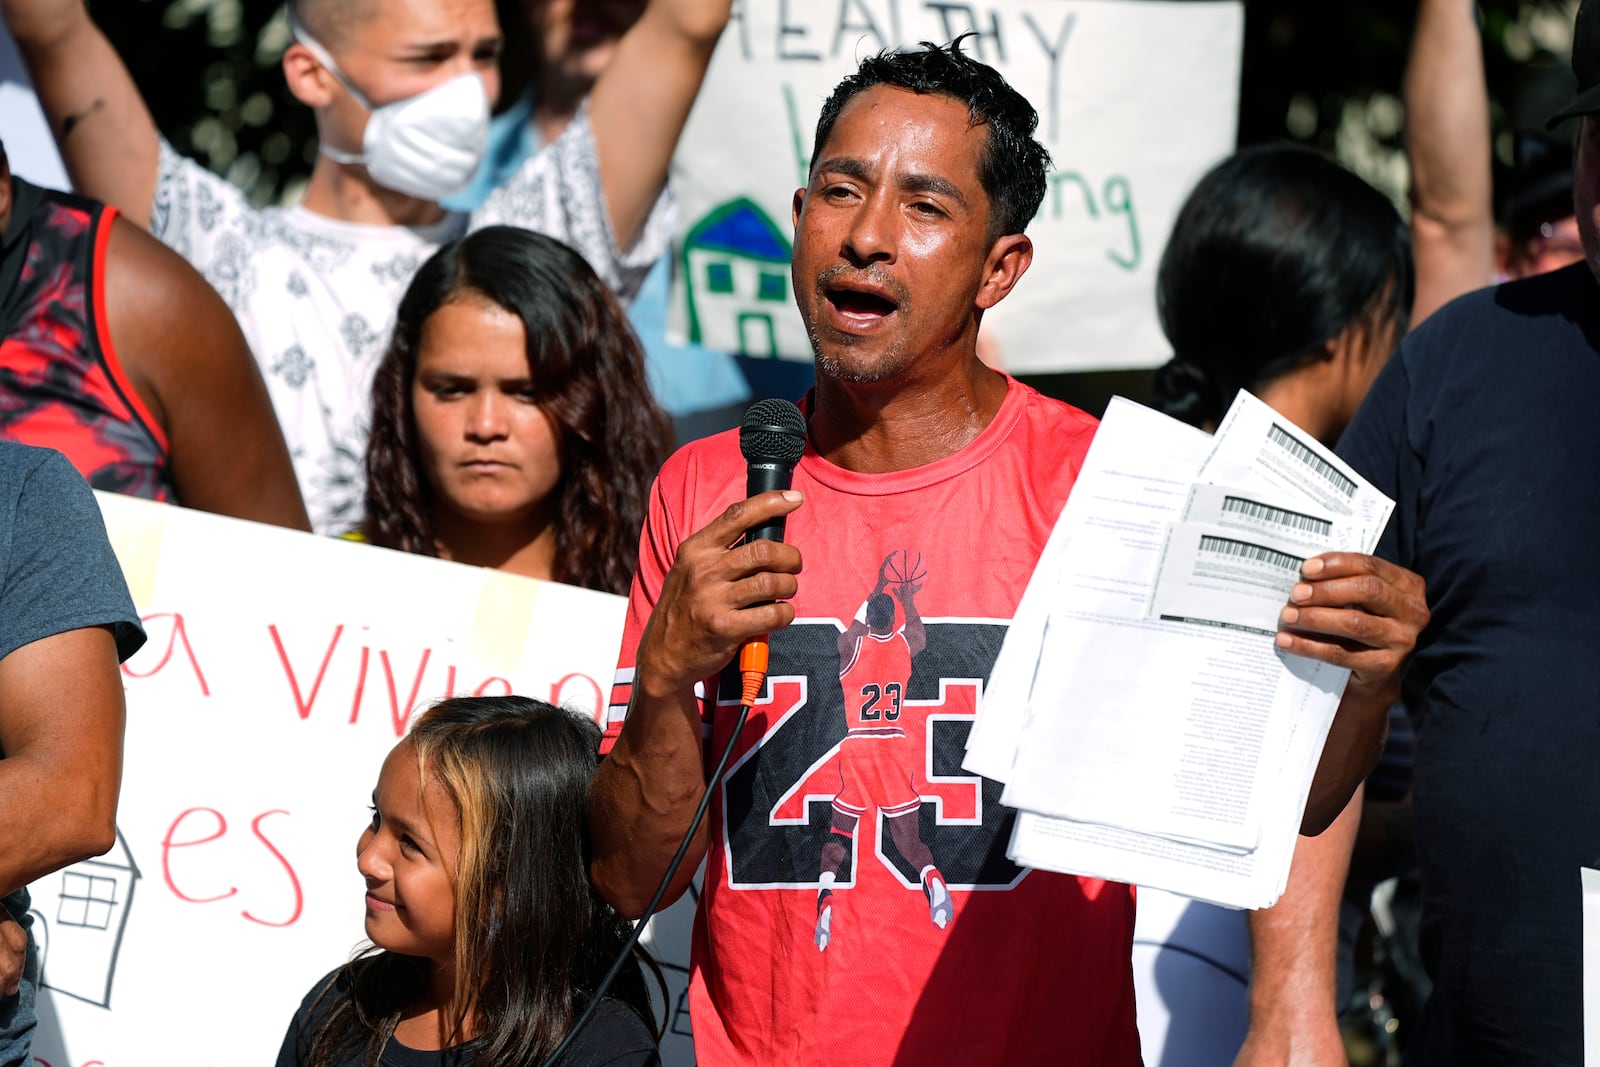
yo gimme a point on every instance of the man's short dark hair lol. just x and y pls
(1013, 164)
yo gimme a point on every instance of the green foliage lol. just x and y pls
(209, 71)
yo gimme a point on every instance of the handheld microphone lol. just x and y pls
(772, 438)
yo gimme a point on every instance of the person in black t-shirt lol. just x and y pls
(1482, 430)
(490, 938)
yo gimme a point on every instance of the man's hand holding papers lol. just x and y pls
(1152, 722)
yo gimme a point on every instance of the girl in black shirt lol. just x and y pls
(488, 936)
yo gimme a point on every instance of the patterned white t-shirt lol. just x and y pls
(316, 297)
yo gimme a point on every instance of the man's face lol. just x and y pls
(409, 46)
(891, 243)
(1586, 189)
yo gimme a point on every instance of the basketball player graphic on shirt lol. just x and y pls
(875, 759)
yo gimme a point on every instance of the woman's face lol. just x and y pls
(487, 451)
(407, 855)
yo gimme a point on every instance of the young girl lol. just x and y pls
(512, 424)
(488, 935)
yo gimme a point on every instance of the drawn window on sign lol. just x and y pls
(771, 286)
(87, 900)
(1291, 520)
(1319, 466)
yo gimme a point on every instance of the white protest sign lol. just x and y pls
(1136, 100)
(280, 670)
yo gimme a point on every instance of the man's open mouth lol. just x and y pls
(855, 303)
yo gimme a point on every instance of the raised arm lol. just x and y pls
(1447, 144)
(916, 632)
(184, 354)
(105, 133)
(712, 600)
(639, 105)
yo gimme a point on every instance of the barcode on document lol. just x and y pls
(1266, 513)
(1289, 443)
(1226, 546)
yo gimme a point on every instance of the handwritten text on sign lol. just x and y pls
(280, 669)
(1127, 147)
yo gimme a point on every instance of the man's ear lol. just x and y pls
(1008, 260)
(794, 211)
(307, 78)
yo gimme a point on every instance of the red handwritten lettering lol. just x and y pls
(401, 714)
(361, 686)
(294, 880)
(176, 634)
(303, 704)
(168, 845)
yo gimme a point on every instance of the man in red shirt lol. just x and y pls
(924, 175)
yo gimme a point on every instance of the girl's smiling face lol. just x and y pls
(408, 857)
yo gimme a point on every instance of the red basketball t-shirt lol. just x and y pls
(1033, 967)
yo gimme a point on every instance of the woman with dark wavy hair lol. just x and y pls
(488, 939)
(512, 424)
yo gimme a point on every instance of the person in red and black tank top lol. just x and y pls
(117, 354)
(61, 386)
(876, 766)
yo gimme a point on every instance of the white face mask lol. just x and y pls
(427, 146)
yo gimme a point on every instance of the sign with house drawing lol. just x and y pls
(1127, 150)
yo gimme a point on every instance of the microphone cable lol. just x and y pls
(772, 437)
(752, 672)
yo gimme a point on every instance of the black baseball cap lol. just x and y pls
(1585, 64)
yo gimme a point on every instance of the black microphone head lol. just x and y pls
(773, 431)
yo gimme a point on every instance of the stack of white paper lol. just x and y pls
(1144, 723)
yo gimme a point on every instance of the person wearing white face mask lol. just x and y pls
(428, 145)
(401, 91)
